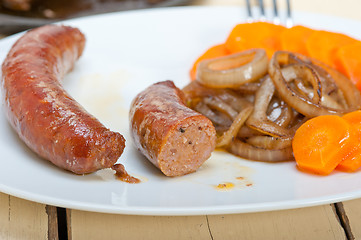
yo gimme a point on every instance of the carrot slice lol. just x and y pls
(255, 35)
(323, 45)
(213, 52)
(348, 61)
(352, 161)
(294, 39)
(321, 143)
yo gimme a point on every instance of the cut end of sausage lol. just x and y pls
(188, 147)
(103, 155)
(112, 150)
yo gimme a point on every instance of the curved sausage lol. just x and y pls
(173, 137)
(43, 114)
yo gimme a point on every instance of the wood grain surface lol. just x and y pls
(21, 219)
(352, 217)
(319, 222)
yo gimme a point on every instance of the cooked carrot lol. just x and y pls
(255, 35)
(321, 143)
(323, 45)
(352, 161)
(294, 39)
(213, 52)
(348, 61)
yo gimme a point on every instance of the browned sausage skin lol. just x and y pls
(173, 137)
(43, 114)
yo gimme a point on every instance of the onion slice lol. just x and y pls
(249, 88)
(286, 116)
(215, 103)
(268, 142)
(304, 74)
(233, 70)
(250, 152)
(302, 104)
(258, 119)
(217, 119)
(246, 132)
(348, 89)
(231, 133)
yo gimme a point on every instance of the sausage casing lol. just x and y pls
(173, 137)
(43, 114)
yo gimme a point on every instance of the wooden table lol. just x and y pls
(21, 219)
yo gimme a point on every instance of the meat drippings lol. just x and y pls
(123, 175)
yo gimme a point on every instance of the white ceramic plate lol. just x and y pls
(125, 53)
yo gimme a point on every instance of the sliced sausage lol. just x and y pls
(43, 114)
(173, 137)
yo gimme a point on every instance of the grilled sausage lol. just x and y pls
(43, 114)
(173, 137)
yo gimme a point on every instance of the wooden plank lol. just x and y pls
(307, 223)
(21, 219)
(351, 214)
(68, 220)
(52, 222)
(88, 225)
(319, 222)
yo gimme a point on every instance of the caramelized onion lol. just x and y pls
(231, 133)
(293, 98)
(237, 102)
(347, 89)
(268, 142)
(217, 119)
(258, 119)
(326, 100)
(219, 105)
(286, 115)
(246, 132)
(233, 70)
(250, 152)
(304, 74)
(195, 92)
(248, 88)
